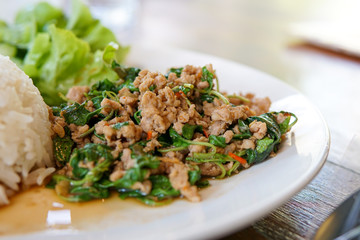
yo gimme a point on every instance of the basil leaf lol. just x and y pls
(162, 188)
(207, 76)
(90, 153)
(119, 125)
(139, 172)
(62, 149)
(263, 144)
(203, 183)
(244, 131)
(194, 176)
(86, 193)
(268, 144)
(152, 87)
(177, 71)
(207, 97)
(284, 126)
(57, 109)
(273, 128)
(184, 89)
(164, 140)
(188, 130)
(217, 141)
(178, 140)
(78, 114)
(137, 116)
(97, 101)
(128, 74)
(104, 85)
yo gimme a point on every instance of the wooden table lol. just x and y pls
(256, 33)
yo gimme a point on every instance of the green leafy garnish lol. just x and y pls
(63, 148)
(194, 176)
(152, 87)
(78, 114)
(217, 141)
(137, 116)
(119, 125)
(207, 76)
(186, 88)
(188, 130)
(87, 164)
(263, 144)
(177, 71)
(128, 74)
(266, 146)
(244, 130)
(161, 187)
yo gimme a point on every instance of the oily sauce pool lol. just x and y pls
(39, 209)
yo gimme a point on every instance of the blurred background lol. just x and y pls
(254, 32)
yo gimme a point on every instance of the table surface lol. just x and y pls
(257, 33)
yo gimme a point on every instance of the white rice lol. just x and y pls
(25, 132)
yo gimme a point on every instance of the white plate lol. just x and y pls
(230, 204)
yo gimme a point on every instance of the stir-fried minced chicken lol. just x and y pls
(155, 137)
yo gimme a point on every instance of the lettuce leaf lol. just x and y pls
(21, 34)
(43, 14)
(89, 29)
(66, 57)
(99, 66)
(98, 36)
(7, 50)
(80, 18)
(36, 55)
(57, 51)
(3, 27)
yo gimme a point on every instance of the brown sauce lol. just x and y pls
(39, 209)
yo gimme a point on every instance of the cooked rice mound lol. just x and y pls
(25, 133)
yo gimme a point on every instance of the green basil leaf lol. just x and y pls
(78, 114)
(217, 141)
(164, 140)
(188, 130)
(104, 85)
(90, 153)
(178, 140)
(207, 76)
(119, 125)
(263, 144)
(194, 176)
(284, 126)
(128, 74)
(137, 116)
(244, 131)
(62, 149)
(87, 193)
(152, 87)
(177, 71)
(162, 188)
(97, 101)
(207, 97)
